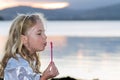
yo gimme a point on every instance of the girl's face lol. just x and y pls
(35, 39)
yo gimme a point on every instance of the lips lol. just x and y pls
(45, 44)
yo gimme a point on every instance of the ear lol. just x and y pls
(24, 39)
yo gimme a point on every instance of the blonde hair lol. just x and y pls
(14, 45)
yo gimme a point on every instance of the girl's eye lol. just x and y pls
(39, 34)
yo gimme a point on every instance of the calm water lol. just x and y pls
(82, 49)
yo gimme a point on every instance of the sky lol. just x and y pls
(56, 4)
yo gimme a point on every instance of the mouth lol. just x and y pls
(45, 44)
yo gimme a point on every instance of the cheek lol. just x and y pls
(35, 41)
(38, 39)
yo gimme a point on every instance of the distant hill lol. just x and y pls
(104, 13)
(1, 18)
(58, 14)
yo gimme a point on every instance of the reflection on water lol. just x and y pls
(86, 57)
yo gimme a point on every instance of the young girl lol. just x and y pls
(21, 60)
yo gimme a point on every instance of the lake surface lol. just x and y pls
(82, 49)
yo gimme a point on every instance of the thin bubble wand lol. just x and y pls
(51, 54)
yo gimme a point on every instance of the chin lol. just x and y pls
(41, 49)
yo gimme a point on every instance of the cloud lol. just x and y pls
(39, 0)
(45, 4)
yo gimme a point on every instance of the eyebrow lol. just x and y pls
(40, 30)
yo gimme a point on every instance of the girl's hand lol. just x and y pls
(50, 72)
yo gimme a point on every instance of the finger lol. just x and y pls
(52, 62)
(49, 66)
(53, 67)
(54, 70)
(55, 73)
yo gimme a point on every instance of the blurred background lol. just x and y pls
(85, 35)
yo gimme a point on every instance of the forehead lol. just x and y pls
(37, 27)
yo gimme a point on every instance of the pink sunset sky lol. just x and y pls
(44, 4)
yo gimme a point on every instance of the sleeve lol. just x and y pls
(20, 73)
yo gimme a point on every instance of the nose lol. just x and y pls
(45, 37)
